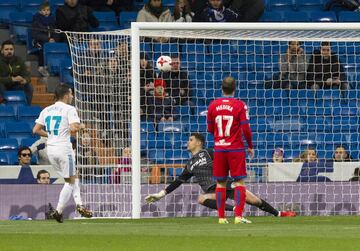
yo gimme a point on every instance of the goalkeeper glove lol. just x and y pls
(155, 197)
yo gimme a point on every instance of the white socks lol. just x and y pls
(64, 197)
(76, 192)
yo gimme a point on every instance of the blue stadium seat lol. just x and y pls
(288, 124)
(6, 7)
(323, 16)
(54, 54)
(29, 43)
(31, 6)
(15, 98)
(156, 155)
(285, 5)
(126, 17)
(17, 22)
(3, 159)
(310, 4)
(349, 16)
(28, 141)
(296, 16)
(8, 145)
(65, 72)
(18, 130)
(107, 20)
(176, 156)
(174, 126)
(147, 127)
(29, 114)
(7, 114)
(148, 140)
(173, 140)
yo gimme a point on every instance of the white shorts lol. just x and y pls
(62, 161)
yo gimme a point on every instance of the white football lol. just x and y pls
(163, 63)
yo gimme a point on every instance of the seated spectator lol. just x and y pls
(154, 11)
(308, 156)
(43, 24)
(177, 82)
(293, 66)
(356, 175)
(182, 11)
(216, 12)
(147, 76)
(13, 73)
(325, 70)
(73, 16)
(43, 177)
(87, 155)
(341, 154)
(24, 156)
(107, 5)
(278, 155)
(248, 10)
(39, 148)
(159, 108)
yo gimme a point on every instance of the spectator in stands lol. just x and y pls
(356, 175)
(182, 11)
(309, 155)
(147, 76)
(216, 12)
(278, 155)
(13, 73)
(43, 177)
(25, 176)
(159, 108)
(39, 147)
(106, 5)
(154, 11)
(87, 154)
(24, 156)
(177, 82)
(43, 24)
(341, 154)
(325, 70)
(73, 16)
(247, 10)
(293, 66)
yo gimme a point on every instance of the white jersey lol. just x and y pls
(57, 119)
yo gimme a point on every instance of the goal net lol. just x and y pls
(299, 81)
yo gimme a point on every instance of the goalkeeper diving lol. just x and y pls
(200, 167)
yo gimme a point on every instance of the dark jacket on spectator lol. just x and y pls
(12, 67)
(78, 18)
(175, 82)
(213, 15)
(42, 28)
(159, 107)
(320, 69)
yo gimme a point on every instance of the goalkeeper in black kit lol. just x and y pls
(200, 167)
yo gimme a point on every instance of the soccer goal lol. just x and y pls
(292, 110)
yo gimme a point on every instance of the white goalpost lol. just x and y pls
(117, 99)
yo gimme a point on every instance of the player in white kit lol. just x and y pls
(57, 122)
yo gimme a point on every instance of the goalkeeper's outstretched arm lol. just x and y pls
(184, 176)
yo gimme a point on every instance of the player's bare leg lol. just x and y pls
(240, 198)
(220, 200)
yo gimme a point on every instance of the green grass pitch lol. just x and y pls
(340, 233)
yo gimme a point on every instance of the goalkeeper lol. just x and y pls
(200, 166)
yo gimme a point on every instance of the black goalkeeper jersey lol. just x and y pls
(200, 166)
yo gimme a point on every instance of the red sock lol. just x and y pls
(239, 196)
(220, 201)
